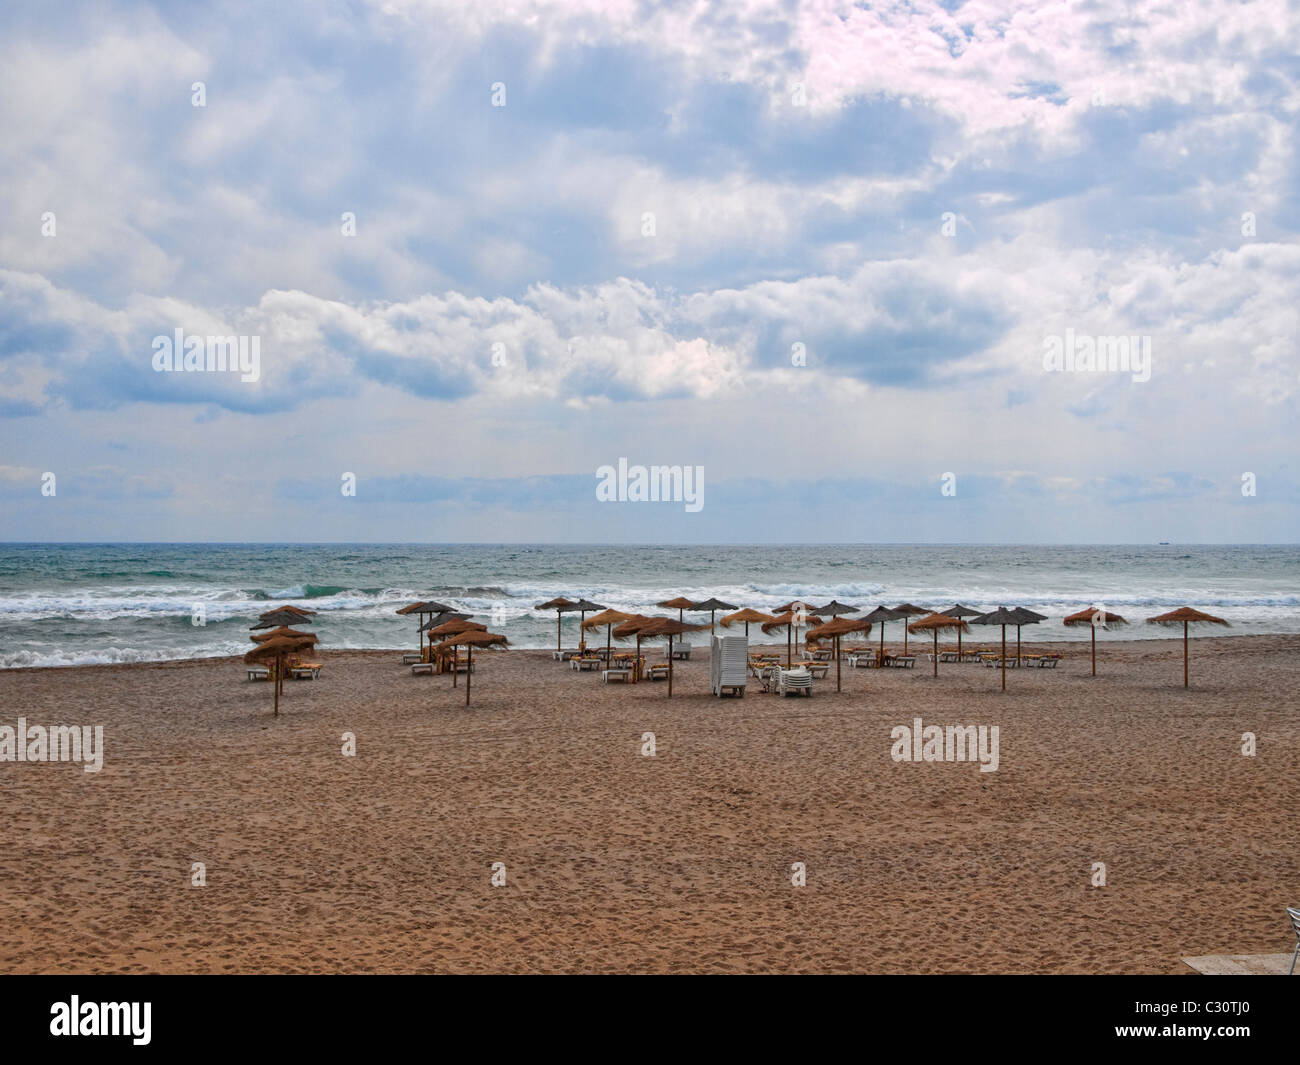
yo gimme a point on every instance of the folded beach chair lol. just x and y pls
(794, 681)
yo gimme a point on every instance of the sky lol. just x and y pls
(817, 252)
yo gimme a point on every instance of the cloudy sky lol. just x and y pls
(814, 248)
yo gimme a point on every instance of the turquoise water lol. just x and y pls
(86, 603)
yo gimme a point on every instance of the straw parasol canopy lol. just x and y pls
(680, 604)
(1004, 617)
(277, 650)
(454, 625)
(790, 619)
(746, 616)
(713, 606)
(470, 639)
(300, 611)
(909, 610)
(1185, 615)
(420, 608)
(1092, 617)
(283, 630)
(559, 605)
(834, 630)
(635, 626)
(933, 623)
(608, 618)
(882, 614)
(670, 628)
(273, 619)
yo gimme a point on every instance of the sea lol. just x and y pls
(76, 604)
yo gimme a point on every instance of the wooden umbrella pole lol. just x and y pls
(936, 652)
(1017, 645)
(1094, 648)
(882, 645)
(670, 667)
(959, 645)
(278, 671)
(559, 645)
(469, 670)
(837, 663)
(1185, 654)
(1004, 658)
(455, 666)
(787, 646)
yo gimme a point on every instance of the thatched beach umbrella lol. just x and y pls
(833, 630)
(680, 604)
(421, 608)
(746, 616)
(302, 612)
(791, 619)
(470, 639)
(607, 618)
(713, 606)
(277, 650)
(963, 612)
(584, 607)
(933, 623)
(1092, 617)
(880, 615)
(453, 626)
(1185, 615)
(283, 630)
(273, 619)
(834, 609)
(670, 628)
(909, 610)
(636, 626)
(1004, 617)
(559, 605)
(1025, 617)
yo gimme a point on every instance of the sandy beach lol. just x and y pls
(681, 862)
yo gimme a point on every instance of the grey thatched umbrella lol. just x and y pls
(834, 609)
(636, 626)
(963, 612)
(791, 619)
(878, 617)
(1185, 615)
(274, 619)
(713, 606)
(1025, 617)
(1092, 617)
(1004, 617)
(559, 605)
(909, 610)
